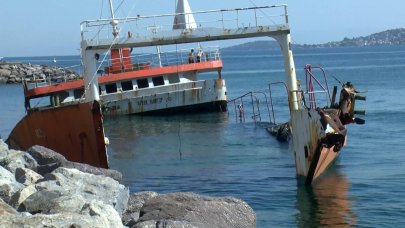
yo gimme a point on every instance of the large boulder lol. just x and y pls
(45, 156)
(19, 197)
(5, 73)
(3, 149)
(191, 210)
(135, 203)
(27, 176)
(13, 159)
(72, 220)
(6, 210)
(4, 66)
(91, 187)
(50, 160)
(8, 185)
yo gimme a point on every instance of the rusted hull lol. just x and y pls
(326, 159)
(321, 162)
(75, 131)
(313, 155)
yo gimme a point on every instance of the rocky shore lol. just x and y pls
(17, 72)
(40, 188)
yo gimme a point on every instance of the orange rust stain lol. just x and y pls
(75, 131)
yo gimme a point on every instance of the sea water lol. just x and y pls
(216, 155)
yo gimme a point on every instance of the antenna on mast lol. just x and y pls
(114, 22)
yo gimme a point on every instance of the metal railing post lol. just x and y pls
(285, 14)
(255, 18)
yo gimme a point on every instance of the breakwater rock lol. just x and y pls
(40, 188)
(17, 72)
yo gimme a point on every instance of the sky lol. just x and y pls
(52, 27)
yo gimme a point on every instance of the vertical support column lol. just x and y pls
(158, 55)
(90, 58)
(289, 67)
(299, 118)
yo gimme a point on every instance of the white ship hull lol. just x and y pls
(203, 95)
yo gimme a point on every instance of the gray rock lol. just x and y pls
(19, 197)
(71, 220)
(52, 202)
(96, 208)
(45, 156)
(27, 176)
(191, 210)
(17, 79)
(14, 159)
(50, 160)
(114, 174)
(167, 224)
(8, 185)
(91, 187)
(6, 210)
(4, 66)
(25, 71)
(11, 80)
(6, 175)
(5, 73)
(41, 202)
(135, 203)
(45, 169)
(3, 149)
(51, 185)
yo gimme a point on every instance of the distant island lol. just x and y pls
(388, 37)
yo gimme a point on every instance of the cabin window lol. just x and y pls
(127, 85)
(111, 88)
(40, 102)
(62, 95)
(173, 78)
(158, 81)
(78, 93)
(142, 83)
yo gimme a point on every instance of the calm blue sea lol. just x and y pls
(214, 154)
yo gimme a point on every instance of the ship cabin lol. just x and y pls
(126, 75)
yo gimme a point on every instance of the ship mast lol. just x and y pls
(114, 23)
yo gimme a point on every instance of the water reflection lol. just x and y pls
(325, 204)
(165, 153)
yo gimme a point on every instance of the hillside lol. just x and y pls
(388, 37)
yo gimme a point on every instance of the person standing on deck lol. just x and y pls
(191, 56)
(200, 54)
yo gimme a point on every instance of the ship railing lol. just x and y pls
(315, 86)
(249, 107)
(167, 58)
(261, 106)
(157, 25)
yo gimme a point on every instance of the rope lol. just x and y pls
(178, 134)
(267, 16)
